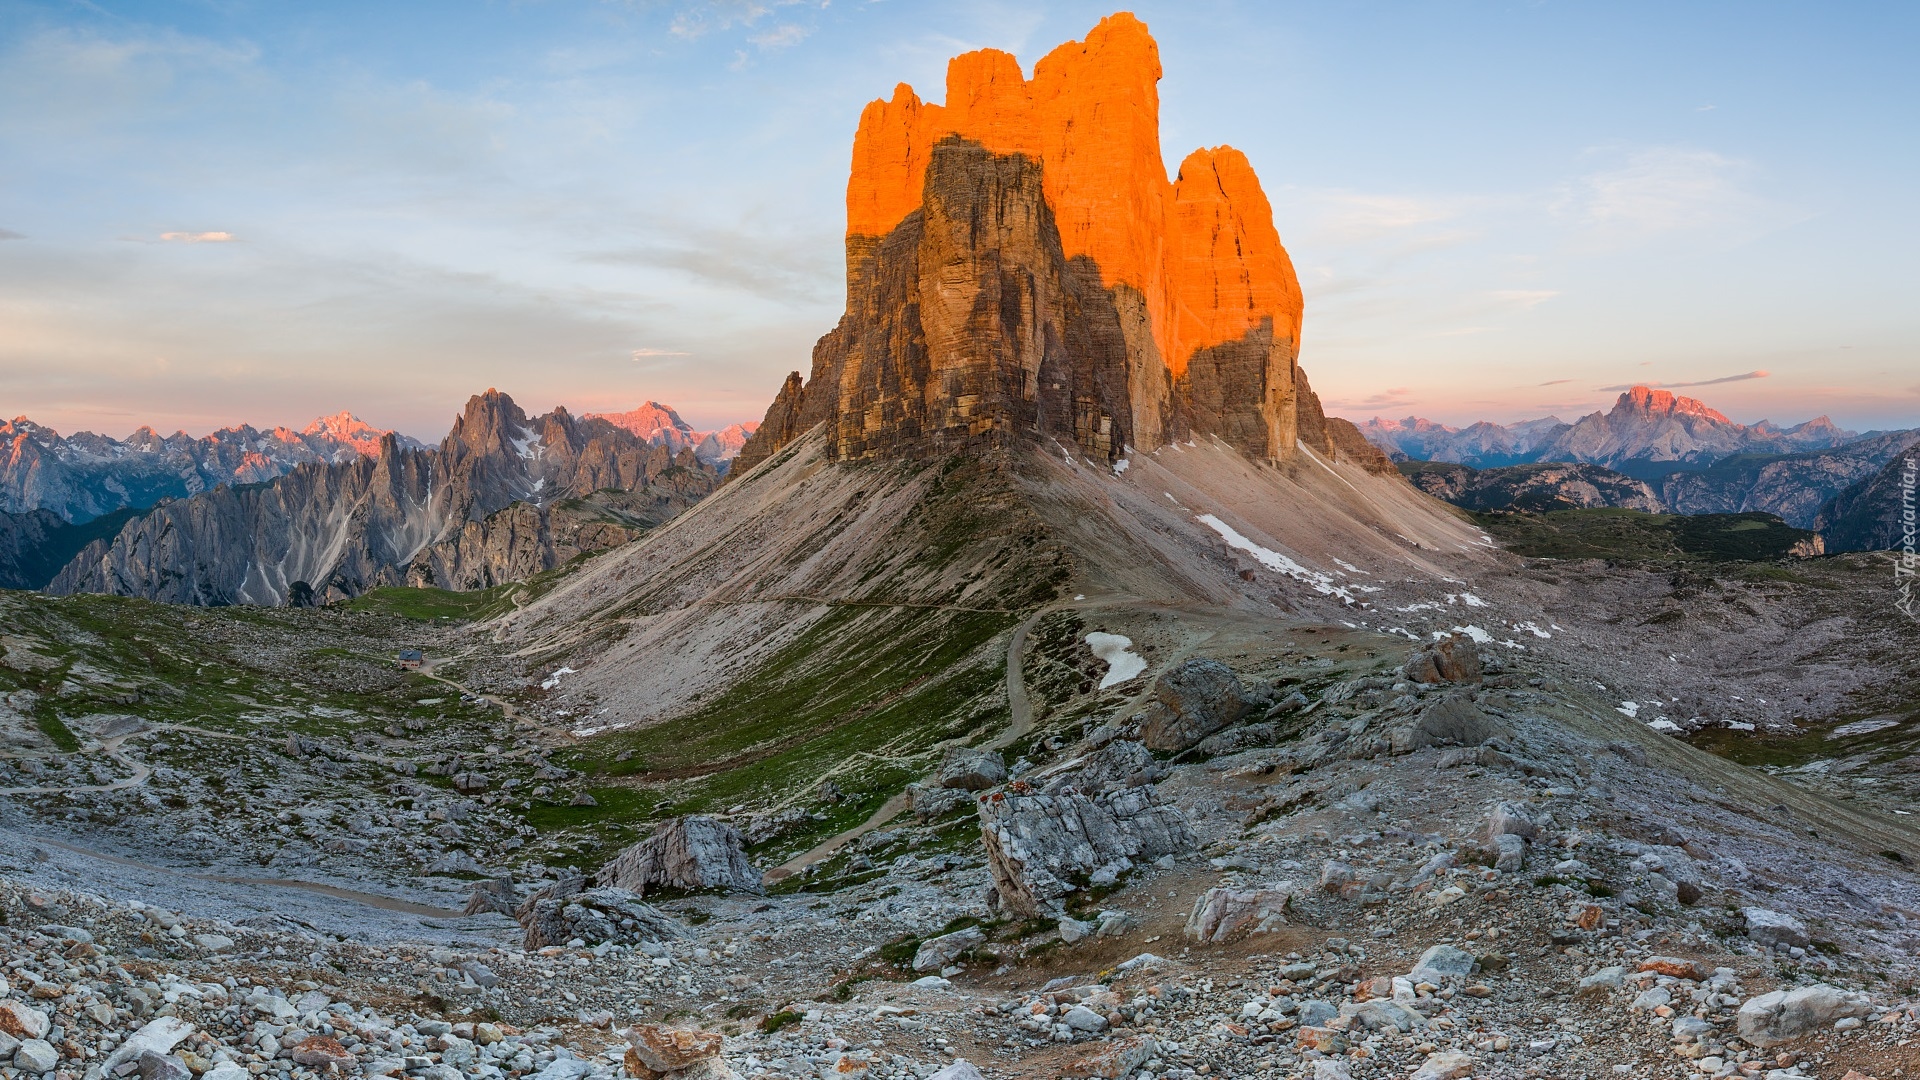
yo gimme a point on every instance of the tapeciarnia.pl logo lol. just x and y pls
(1905, 567)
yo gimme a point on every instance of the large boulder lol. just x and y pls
(688, 853)
(1769, 929)
(1042, 847)
(1448, 660)
(1221, 912)
(495, 894)
(566, 911)
(936, 953)
(665, 1050)
(1452, 719)
(1784, 1015)
(969, 769)
(1192, 701)
(1121, 763)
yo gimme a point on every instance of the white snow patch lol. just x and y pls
(1320, 581)
(1347, 566)
(527, 444)
(1628, 708)
(1117, 650)
(1664, 724)
(1120, 466)
(1863, 727)
(1532, 629)
(1479, 636)
(553, 680)
(1736, 725)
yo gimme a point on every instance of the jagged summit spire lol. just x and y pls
(1019, 265)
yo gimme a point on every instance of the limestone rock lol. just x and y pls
(1784, 1015)
(1448, 660)
(1769, 929)
(1444, 1065)
(960, 1070)
(665, 1049)
(938, 952)
(1042, 847)
(687, 853)
(492, 894)
(1221, 912)
(22, 1021)
(971, 770)
(1442, 962)
(566, 911)
(1192, 701)
(1452, 719)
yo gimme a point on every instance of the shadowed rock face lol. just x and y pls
(492, 504)
(1019, 267)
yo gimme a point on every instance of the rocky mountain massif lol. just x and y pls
(502, 497)
(1019, 268)
(84, 476)
(659, 424)
(1647, 434)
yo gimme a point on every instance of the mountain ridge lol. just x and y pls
(418, 517)
(86, 475)
(1646, 434)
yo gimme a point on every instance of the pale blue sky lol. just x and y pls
(1497, 209)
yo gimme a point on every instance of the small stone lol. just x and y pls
(321, 1051)
(937, 952)
(22, 1021)
(1770, 929)
(665, 1049)
(154, 1066)
(36, 1056)
(1081, 1018)
(1445, 1065)
(1677, 967)
(1442, 962)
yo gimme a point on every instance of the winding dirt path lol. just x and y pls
(111, 748)
(1020, 710)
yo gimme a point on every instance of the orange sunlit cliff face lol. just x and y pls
(1018, 262)
(1202, 250)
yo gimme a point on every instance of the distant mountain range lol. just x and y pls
(660, 425)
(1647, 434)
(502, 497)
(83, 476)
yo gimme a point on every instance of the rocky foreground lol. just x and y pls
(1453, 878)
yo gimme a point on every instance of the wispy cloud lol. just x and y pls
(1352, 215)
(783, 36)
(707, 16)
(1525, 298)
(198, 237)
(1556, 382)
(9, 234)
(650, 353)
(1680, 385)
(1391, 398)
(1661, 190)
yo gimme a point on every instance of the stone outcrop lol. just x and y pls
(401, 517)
(1449, 660)
(1042, 847)
(1222, 912)
(1191, 702)
(1019, 266)
(1783, 1015)
(687, 853)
